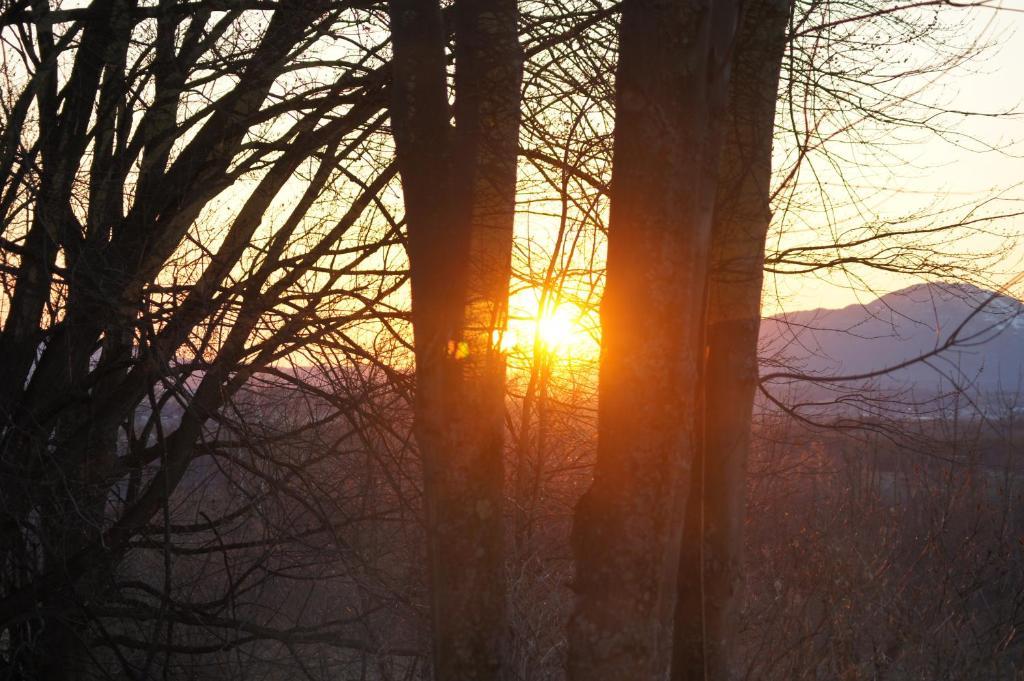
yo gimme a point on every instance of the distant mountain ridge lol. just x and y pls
(899, 326)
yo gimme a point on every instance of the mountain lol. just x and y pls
(987, 355)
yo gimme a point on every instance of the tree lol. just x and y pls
(711, 559)
(139, 305)
(459, 187)
(710, 575)
(671, 87)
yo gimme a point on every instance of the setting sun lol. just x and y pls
(559, 329)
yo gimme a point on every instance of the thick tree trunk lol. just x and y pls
(459, 187)
(709, 575)
(671, 88)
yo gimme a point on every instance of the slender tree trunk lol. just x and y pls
(459, 186)
(671, 88)
(709, 574)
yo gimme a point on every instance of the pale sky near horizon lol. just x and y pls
(949, 173)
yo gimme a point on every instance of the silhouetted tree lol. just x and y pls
(459, 185)
(712, 554)
(139, 302)
(671, 89)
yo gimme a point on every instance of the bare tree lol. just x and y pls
(711, 559)
(459, 187)
(671, 85)
(139, 302)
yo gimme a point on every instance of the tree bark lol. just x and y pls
(710, 562)
(459, 187)
(671, 87)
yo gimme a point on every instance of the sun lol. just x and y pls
(558, 329)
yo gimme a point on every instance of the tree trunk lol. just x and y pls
(459, 187)
(709, 575)
(671, 87)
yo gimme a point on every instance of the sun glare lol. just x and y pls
(560, 330)
(557, 328)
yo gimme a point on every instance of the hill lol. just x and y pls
(985, 355)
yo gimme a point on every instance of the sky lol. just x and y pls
(976, 171)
